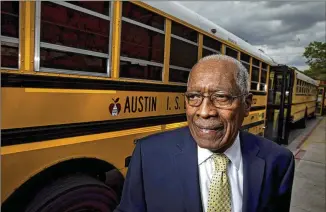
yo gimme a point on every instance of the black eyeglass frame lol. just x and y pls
(218, 105)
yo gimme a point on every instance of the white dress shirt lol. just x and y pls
(234, 172)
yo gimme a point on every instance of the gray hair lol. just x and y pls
(242, 76)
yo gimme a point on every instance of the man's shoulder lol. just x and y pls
(268, 148)
(166, 138)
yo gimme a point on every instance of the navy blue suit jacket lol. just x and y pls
(163, 175)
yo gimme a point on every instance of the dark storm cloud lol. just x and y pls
(275, 4)
(294, 16)
(276, 25)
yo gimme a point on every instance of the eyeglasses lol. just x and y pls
(220, 100)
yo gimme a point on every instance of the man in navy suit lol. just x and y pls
(210, 165)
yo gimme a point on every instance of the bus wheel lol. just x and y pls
(313, 115)
(304, 120)
(75, 193)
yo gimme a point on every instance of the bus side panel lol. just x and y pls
(21, 162)
(298, 110)
(254, 116)
(302, 99)
(259, 101)
(34, 107)
(257, 130)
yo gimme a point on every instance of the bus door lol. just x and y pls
(320, 101)
(278, 114)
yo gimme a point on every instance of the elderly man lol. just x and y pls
(210, 165)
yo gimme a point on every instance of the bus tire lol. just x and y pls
(313, 116)
(304, 120)
(74, 193)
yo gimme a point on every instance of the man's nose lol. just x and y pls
(206, 109)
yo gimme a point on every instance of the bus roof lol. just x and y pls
(305, 78)
(185, 14)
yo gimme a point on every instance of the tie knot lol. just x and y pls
(221, 161)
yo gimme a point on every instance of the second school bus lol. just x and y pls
(292, 100)
(321, 99)
(82, 81)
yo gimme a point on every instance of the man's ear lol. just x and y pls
(247, 104)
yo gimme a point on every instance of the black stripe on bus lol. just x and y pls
(35, 134)
(258, 93)
(39, 81)
(252, 125)
(43, 81)
(298, 103)
(257, 108)
(304, 94)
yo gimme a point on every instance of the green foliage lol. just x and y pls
(315, 53)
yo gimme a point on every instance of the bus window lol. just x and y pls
(231, 52)
(264, 66)
(254, 85)
(245, 60)
(255, 62)
(301, 87)
(179, 75)
(96, 6)
(142, 43)
(53, 59)
(263, 77)
(247, 66)
(211, 46)
(9, 34)
(183, 53)
(142, 15)
(184, 32)
(263, 87)
(140, 71)
(254, 77)
(76, 40)
(244, 57)
(320, 91)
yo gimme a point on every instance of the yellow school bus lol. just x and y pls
(292, 100)
(81, 81)
(304, 98)
(321, 99)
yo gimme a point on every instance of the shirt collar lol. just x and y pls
(233, 153)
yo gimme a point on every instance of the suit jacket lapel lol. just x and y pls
(186, 165)
(253, 172)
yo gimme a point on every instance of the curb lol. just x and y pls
(306, 137)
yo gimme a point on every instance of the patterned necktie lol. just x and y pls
(219, 199)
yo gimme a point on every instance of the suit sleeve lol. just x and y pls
(133, 198)
(281, 201)
(285, 189)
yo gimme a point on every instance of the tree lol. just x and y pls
(315, 53)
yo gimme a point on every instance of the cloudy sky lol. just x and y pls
(281, 28)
